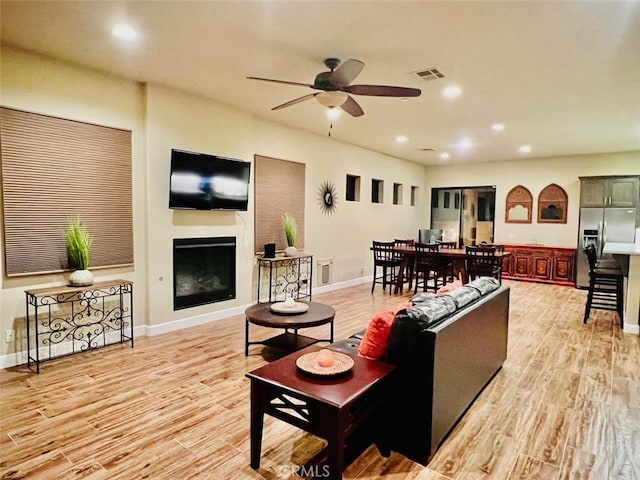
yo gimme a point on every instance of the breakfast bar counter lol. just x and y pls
(632, 305)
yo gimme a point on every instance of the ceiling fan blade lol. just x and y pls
(346, 73)
(281, 81)
(352, 107)
(295, 100)
(382, 91)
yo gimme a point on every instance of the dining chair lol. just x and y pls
(449, 245)
(389, 261)
(481, 261)
(407, 276)
(605, 287)
(429, 263)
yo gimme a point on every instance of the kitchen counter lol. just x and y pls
(632, 294)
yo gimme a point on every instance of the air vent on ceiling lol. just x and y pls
(430, 74)
(427, 149)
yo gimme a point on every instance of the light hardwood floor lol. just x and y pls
(566, 404)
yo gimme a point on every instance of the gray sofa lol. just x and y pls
(445, 360)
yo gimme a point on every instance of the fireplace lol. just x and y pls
(204, 271)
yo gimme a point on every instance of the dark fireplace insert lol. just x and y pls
(204, 271)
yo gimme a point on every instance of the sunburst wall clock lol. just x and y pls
(327, 198)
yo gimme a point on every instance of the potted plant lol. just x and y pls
(290, 232)
(79, 240)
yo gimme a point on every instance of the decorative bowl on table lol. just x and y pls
(289, 307)
(319, 365)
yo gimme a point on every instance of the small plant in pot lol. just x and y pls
(79, 241)
(290, 232)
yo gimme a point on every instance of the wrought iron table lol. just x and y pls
(77, 319)
(288, 276)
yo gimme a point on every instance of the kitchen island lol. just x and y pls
(632, 294)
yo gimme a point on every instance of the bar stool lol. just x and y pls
(431, 264)
(605, 287)
(407, 274)
(385, 257)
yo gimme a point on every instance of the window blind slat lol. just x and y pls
(54, 169)
(279, 188)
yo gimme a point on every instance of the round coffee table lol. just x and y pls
(261, 314)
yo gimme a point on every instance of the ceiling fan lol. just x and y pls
(335, 86)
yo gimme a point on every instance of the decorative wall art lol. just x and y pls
(327, 197)
(552, 204)
(518, 205)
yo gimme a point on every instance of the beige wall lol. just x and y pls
(40, 85)
(535, 174)
(160, 119)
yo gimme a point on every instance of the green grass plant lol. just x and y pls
(290, 229)
(79, 242)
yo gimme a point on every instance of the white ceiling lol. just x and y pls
(564, 77)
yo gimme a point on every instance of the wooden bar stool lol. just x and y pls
(605, 287)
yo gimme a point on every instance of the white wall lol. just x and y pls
(535, 174)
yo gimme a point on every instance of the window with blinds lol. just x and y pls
(54, 169)
(279, 188)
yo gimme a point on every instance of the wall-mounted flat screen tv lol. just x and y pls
(208, 182)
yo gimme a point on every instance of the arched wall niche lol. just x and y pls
(519, 205)
(552, 204)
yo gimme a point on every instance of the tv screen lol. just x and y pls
(208, 182)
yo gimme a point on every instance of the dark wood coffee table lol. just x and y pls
(331, 408)
(261, 314)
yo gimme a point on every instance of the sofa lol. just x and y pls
(447, 349)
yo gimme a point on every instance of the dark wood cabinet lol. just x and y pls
(540, 263)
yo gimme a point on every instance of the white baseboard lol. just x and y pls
(19, 358)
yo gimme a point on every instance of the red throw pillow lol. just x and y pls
(374, 342)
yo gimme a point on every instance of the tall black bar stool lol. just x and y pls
(605, 287)
(385, 257)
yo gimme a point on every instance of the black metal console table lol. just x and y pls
(288, 277)
(68, 320)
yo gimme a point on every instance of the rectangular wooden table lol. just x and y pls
(331, 408)
(458, 256)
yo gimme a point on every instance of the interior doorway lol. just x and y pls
(464, 214)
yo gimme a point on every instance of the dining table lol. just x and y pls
(457, 255)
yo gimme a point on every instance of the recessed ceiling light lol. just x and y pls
(525, 149)
(498, 127)
(124, 32)
(333, 113)
(464, 144)
(401, 139)
(444, 156)
(452, 91)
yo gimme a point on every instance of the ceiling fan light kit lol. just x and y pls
(336, 88)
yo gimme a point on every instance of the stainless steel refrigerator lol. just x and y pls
(599, 226)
